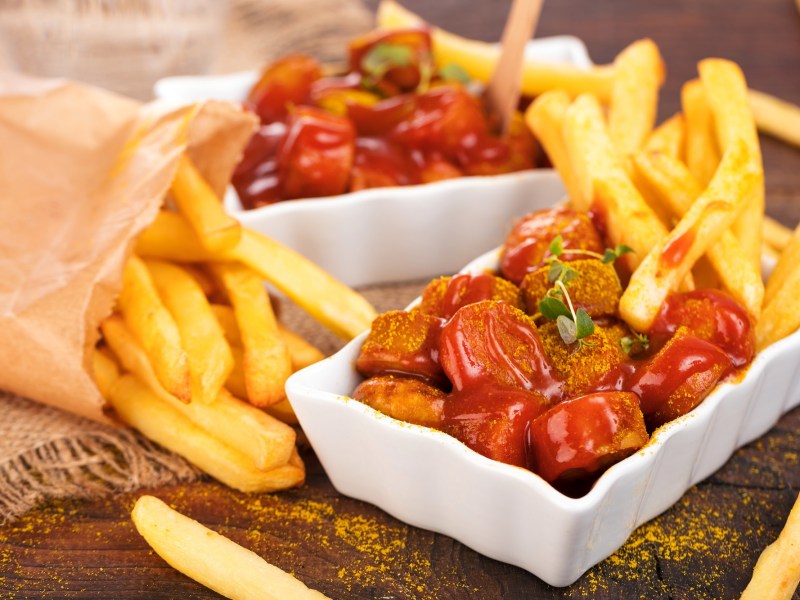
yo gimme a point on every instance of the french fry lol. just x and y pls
(247, 429)
(283, 411)
(677, 188)
(701, 149)
(478, 59)
(788, 262)
(668, 138)
(336, 306)
(132, 357)
(726, 90)
(342, 310)
(638, 75)
(210, 358)
(212, 559)
(266, 360)
(605, 185)
(777, 571)
(227, 320)
(170, 237)
(140, 408)
(301, 352)
(545, 117)
(776, 117)
(673, 257)
(105, 370)
(153, 325)
(216, 229)
(235, 382)
(778, 236)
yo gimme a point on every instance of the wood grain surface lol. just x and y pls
(703, 547)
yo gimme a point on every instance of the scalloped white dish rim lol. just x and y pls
(460, 493)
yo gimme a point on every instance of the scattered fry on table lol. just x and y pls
(212, 559)
(777, 571)
(776, 117)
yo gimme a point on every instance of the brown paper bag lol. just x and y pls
(82, 172)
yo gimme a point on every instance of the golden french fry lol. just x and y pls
(153, 325)
(777, 571)
(479, 59)
(161, 422)
(227, 320)
(638, 75)
(170, 237)
(701, 149)
(283, 411)
(210, 358)
(788, 262)
(302, 352)
(236, 382)
(673, 257)
(243, 427)
(545, 117)
(668, 138)
(216, 229)
(780, 316)
(726, 90)
(266, 361)
(776, 117)
(336, 306)
(131, 355)
(342, 310)
(776, 235)
(677, 188)
(604, 184)
(201, 277)
(212, 559)
(105, 370)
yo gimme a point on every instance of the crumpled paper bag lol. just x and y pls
(82, 172)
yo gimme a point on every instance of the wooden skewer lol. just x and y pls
(502, 94)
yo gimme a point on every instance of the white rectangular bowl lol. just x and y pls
(478, 209)
(431, 480)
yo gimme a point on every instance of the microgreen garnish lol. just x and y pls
(454, 72)
(627, 343)
(574, 326)
(612, 255)
(383, 57)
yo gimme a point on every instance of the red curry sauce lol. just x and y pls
(501, 379)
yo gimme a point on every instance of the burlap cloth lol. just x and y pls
(46, 453)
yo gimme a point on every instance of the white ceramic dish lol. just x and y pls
(430, 480)
(480, 209)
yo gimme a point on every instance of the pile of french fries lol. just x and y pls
(193, 355)
(687, 196)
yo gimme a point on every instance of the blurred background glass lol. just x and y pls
(121, 45)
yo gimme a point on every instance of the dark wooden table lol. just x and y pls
(703, 547)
